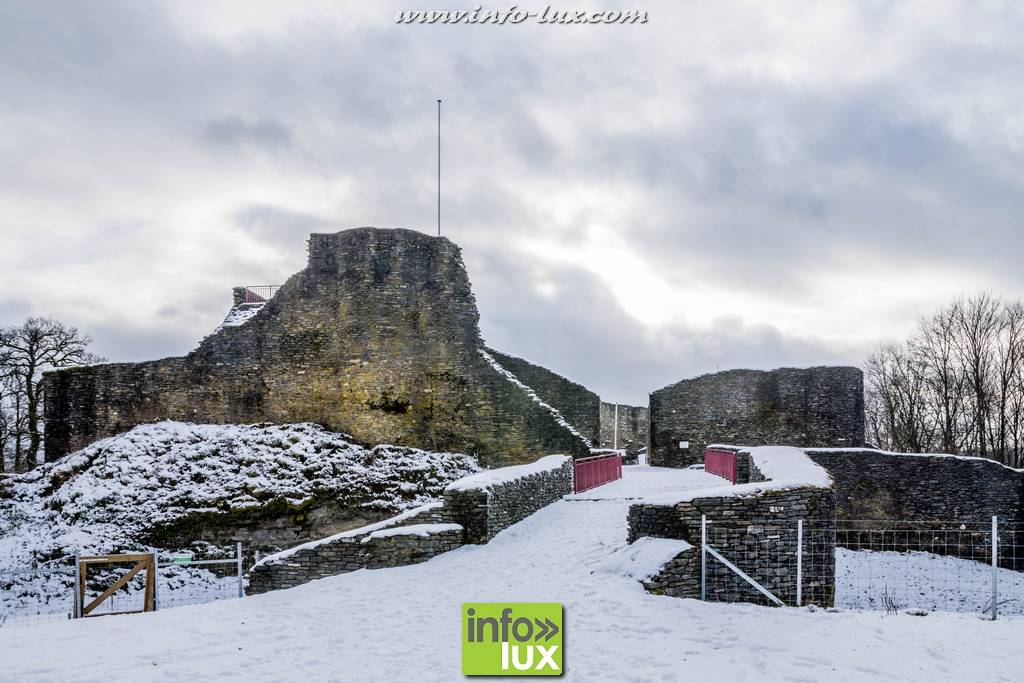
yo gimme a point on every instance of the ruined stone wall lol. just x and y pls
(377, 337)
(409, 545)
(873, 485)
(632, 423)
(942, 504)
(487, 510)
(579, 405)
(757, 532)
(471, 514)
(821, 406)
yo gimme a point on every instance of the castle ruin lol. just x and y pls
(377, 337)
(820, 406)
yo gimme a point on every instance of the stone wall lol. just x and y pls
(757, 531)
(632, 422)
(486, 509)
(405, 540)
(377, 337)
(874, 485)
(579, 405)
(938, 503)
(473, 511)
(821, 406)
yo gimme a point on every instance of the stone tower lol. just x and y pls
(377, 337)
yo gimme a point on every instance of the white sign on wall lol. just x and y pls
(684, 444)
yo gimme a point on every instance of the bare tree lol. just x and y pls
(956, 385)
(946, 380)
(28, 350)
(1009, 351)
(978, 325)
(900, 418)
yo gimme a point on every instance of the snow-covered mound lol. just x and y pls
(112, 494)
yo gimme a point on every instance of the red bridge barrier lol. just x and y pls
(596, 470)
(722, 463)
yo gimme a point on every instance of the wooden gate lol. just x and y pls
(142, 562)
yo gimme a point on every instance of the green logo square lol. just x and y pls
(512, 639)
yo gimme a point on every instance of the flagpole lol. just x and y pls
(439, 168)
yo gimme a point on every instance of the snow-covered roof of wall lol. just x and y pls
(873, 451)
(351, 533)
(413, 530)
(784, 468)
(502, 475)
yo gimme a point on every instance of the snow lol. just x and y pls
(351, 533)
(785, 468)
(789, 467)
(107, 497)
(923, 580)
(413, 530)
(534, 397)
(643, 558)
(402, 623)
(241, 314)
(501, 475)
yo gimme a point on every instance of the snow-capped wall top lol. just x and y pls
(783, 467)
(555, 413)
(240, 314)
(107, 496)
(872, 451)
(502, 475)
(789, 467)
(352, 533)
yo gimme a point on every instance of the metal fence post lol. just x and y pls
(703, 556)
(799, 562)
(76, 608)
(995, 566)
(156, 581)
(241, 588)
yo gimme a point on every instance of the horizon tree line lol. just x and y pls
(955, 386)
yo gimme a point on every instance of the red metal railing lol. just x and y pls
(589, 473)
(722, 463)
(257, 294)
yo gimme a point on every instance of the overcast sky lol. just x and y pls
(729, 185)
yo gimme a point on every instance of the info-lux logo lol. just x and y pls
(512, 639)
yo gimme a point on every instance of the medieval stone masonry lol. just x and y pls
(759, 531)
(632, 428)
(469, 514)
(377, 337)
(820, 406)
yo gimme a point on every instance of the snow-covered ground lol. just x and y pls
(924, 580)
(110, 495)
(402, 624)
(106, 496)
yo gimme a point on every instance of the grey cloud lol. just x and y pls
(761, 184)
(586, 335)
(236, 132)
(280, 226)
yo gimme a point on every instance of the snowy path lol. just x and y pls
(402, 624)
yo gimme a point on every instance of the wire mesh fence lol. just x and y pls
(45, 591)
(944, 566)
(867, 564)
(34, 594)
(792, 563)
